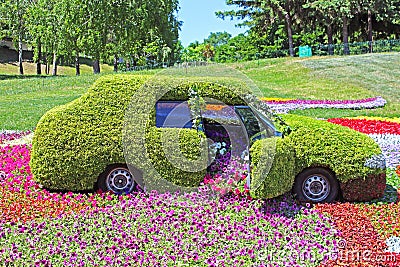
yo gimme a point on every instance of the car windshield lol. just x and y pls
(257, 125)
(220, 113)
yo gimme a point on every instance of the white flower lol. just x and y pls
(393, 244)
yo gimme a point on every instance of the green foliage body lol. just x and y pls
(75, 142)
(315, 143)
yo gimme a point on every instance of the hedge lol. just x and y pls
(321, 143)
(316, 143)
(272, 172)
(74, 143)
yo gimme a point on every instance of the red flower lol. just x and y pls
(369, 126)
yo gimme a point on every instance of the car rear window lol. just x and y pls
(173, 114)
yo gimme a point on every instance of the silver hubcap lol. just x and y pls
(120, 181)
(316, 188)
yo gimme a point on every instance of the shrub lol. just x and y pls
(269, 183)
(342, 150)
(75, 142)
(189, 146)
(317, 143)
(320, 143)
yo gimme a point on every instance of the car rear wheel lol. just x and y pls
(316, 185)
(118, 179)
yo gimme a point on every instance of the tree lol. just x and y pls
(218, 38)
(72, 29)
(34, 26)
(268, 10)
(99, 24)
(326, 13)
(13, 15)
(377, 11)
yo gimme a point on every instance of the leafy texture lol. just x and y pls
(268, 183)
(75, 142)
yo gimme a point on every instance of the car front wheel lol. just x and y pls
(117, 179)
(317, 185)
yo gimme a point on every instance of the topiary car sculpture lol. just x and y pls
(80, 145)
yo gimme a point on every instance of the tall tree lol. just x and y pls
(377, 11)
(97, 30)
(13, 14)
(287, 10)
(36, 27)
(326, 13)
(218, 38)
(72, 29)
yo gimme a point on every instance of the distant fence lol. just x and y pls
(357, 48)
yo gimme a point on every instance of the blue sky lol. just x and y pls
(199, 20)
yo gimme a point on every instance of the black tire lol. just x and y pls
(118, 179)
(316, 185)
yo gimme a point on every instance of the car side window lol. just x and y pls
(173, 114)
(250, 121)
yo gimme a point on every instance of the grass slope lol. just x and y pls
(24, 101)
(351, 77)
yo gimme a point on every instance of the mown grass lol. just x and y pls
(351, 77)
(25, 98)
(24, 101)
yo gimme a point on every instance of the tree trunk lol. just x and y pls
(54, 64)
(345, 33)
(96, 66)
(330, 39)
(47, 65)
(290, 33)
(115, 63)
(77, 66)
(370, 31)
(39, 57)
(21, 68)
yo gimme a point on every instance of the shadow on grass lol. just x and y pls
(19, 77)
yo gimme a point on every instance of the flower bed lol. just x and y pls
(22, 199)
(7, 136)
(286, 105)
(168, 230)
(53, 229)
(42, 228)
(369, 126)
(364, 230)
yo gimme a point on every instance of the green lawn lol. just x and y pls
(351, 77)
(24, 101)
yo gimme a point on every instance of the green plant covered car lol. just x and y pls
(80, 145)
